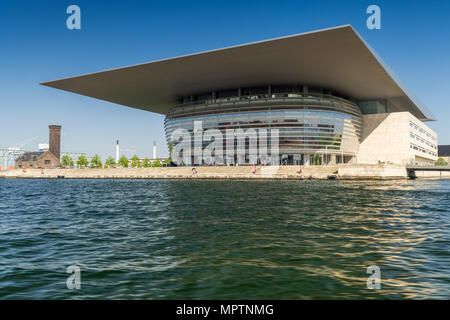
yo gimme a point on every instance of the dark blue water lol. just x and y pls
(175, 239)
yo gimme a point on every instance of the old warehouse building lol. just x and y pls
(44, 159)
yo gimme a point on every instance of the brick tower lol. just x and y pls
(54, 140)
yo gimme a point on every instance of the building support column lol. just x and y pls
(306, 159)
(333, 159)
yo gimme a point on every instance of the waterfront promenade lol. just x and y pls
(381, 171)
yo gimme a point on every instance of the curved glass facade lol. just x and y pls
(303, 126)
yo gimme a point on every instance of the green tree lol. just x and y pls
(82, 161)
(156, 163)
(66, 161)
(123, 162)
(166, 161)
(135, 162)
(440, 162)
(171, 148)
(109, 163)
(146, 163)
(317, 160)
(96, 161)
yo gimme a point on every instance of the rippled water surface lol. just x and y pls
(175, 239)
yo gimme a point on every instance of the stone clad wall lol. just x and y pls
(377, 171)
(341, 171)
(385, 138)
(350, 140)
(432, 174)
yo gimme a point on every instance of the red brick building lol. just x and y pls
(43, 159)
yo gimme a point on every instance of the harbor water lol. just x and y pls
(224, 239)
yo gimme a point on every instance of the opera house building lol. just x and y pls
(329, 95)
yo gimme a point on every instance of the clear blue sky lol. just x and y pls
(36, 46)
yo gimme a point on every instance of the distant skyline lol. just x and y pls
(37, 46)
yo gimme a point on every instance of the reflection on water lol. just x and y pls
(175, 239)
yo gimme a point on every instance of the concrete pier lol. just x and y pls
(342, 171)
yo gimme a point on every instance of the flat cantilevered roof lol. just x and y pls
(336, 58)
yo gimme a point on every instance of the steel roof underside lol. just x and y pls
(336, 58)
